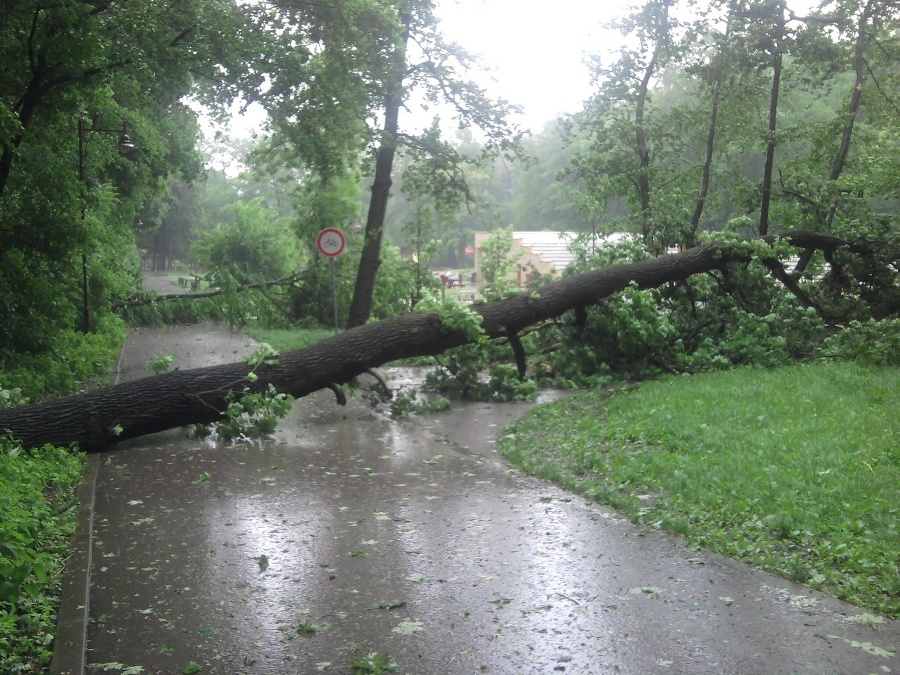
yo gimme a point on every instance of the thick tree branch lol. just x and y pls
(100, 418)
(777, 269)
(519, 353)
(339, 396)
(151, 299)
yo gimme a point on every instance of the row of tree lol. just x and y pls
(333, 78)
(737, 115)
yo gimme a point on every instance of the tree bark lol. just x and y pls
(859, 63)
(640, 137)
(724, 45)
(370, 261)
(770, 145)
(98, 419)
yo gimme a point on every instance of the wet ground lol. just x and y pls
(348, 533)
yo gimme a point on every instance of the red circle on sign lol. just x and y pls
(331, 242)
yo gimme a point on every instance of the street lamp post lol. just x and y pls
(85, 134)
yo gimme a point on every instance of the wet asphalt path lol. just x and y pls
(415, 539)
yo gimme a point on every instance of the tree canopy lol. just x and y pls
(705, 123)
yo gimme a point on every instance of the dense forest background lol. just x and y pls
(732, 119)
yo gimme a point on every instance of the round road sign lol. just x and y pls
(331, 242)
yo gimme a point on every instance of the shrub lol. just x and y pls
(37, 498)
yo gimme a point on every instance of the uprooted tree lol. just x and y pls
(98, 419)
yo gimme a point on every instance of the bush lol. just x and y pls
(37, 499)
(709, 322)
(75, 362)
(874, 342)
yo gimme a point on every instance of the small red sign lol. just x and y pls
(331, 242)
(470, 250)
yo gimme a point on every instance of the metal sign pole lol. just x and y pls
(331, 243)
(334, 293)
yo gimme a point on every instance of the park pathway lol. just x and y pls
(348, 534)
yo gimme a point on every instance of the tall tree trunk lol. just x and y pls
(777, 63)
(361, 305)
(860, 70)
(643, 151)
(853, 110)
(25, 109)
(690, 237)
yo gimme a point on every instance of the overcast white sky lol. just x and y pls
(535, 50)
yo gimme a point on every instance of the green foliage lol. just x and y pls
(179, 312)
(37, 491)
(793, 469)
(455, 315)
(410, 401)
(712, 322)
(420, 233)
(596, 251)
(875, 342)
(308, 627)
(265, 354)
(404, 402)
(231, 303)
(37, 499)
(497, 264)
(253, 414)
(646, 147)
(61, 199)
(255, 245)
(312, 298)
(288, 339)
(76, 361)
(506, 385)
(161, 363)
(399, 284)
(10, 398)
(373, 663)
(479, 373)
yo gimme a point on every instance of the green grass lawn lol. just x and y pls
(288, 339)
(796, 470)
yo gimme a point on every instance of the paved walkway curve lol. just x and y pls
(348, 534)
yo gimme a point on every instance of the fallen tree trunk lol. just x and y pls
(98, 419)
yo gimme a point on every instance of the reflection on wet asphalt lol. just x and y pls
(414, 538)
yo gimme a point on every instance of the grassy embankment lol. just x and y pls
(288, 339)
(796, 470)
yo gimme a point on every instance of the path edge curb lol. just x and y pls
(70, 646)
